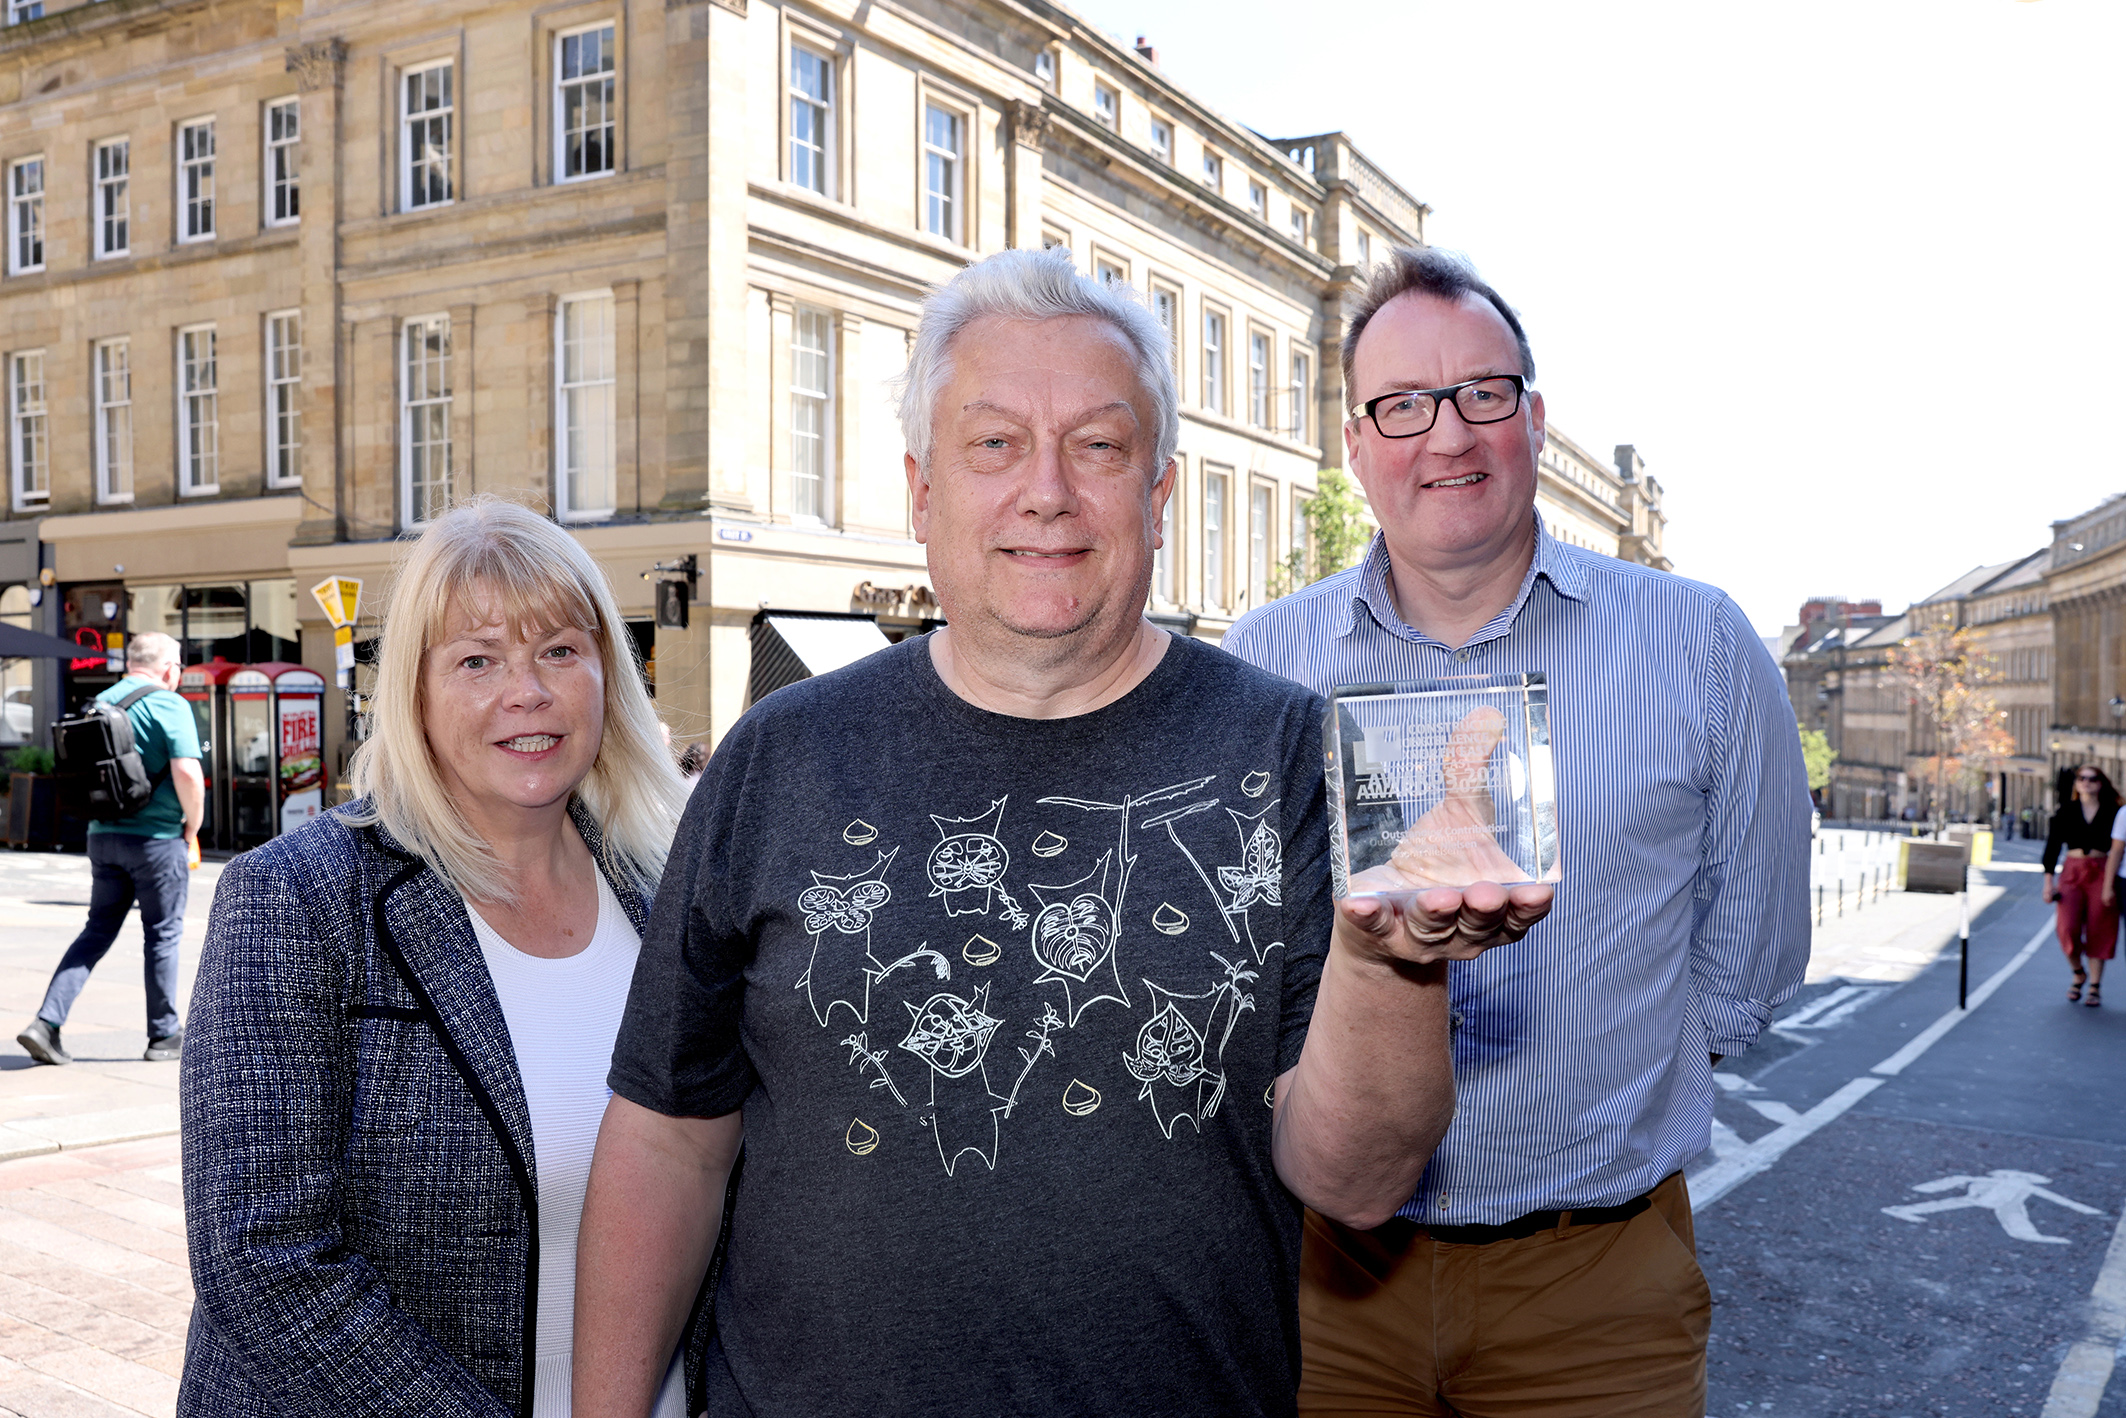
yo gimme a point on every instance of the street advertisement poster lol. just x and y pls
(1442, 783)
(302, 768)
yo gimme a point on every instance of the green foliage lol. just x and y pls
(1336, 517)
(31, 760)
(1817, 754)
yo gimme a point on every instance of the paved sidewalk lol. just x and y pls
(108, 1094)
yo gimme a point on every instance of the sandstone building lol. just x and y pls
(284, 278)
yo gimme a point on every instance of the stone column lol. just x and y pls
(319, 67)
(627, 401)
(1022, 178)
(782, 321)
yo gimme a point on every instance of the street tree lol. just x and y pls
(1817, 755)
(1962, 734)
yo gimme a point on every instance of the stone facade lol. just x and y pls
(648, 264)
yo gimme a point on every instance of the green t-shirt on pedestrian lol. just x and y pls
(163, 728)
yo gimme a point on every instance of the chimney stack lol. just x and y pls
(1145, 51)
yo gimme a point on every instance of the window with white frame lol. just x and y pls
(1213, 171)
(1301, 554)
(195, 181)
(584, 435)
(25, 215)
(1302, 225)
(811, 410)
(284, 398)
(1166, 308)
(1300, 396)
(944, 148)
(21, 10)
(1258, 379)
(198, 412)
(1260, 498)
(1107, 105)
(586, 77)
(114, 421)
(811, 120)
(283, 167)
(1365, 248)
(1214, 512)
(427, 113)
(26, 437)
(1044, 68)
(424, 419)
(113, 217)
(1258, 199)
(1213, 361)
(1163, 580)
(1163, 139)
(1108, 271)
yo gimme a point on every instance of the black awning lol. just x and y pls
(790, 646)
(18, 644)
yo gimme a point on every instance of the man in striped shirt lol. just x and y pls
(1545, 1262)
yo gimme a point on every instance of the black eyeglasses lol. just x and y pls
(2087, 778)
(1492, 399)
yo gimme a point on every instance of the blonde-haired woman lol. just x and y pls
(405, 1011)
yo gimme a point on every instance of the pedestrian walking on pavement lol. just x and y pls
(2088, 919)
(405, 1010)
(144, 856)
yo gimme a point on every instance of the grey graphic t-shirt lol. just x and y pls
(1003, 1001)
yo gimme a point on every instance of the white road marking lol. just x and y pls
(1732, 1171)
(1847, 1010)
(2079, 1385)
(1728, 1173)
(1778, 1112)
(1799, 1018)
(2003, 1191)
(1897, 1062)
(1726, 1141)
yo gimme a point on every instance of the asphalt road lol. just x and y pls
(1824, 1304)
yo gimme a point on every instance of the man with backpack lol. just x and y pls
(138, 849)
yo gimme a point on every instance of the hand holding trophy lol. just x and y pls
(1443, 814)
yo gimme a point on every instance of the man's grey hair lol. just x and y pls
(1032, 285)
(1428, 271)
(151, 650)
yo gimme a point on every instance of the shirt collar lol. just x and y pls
(1562, 566)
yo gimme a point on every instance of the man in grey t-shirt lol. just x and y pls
(1012, 949)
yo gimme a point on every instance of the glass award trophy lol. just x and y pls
(1442, 783)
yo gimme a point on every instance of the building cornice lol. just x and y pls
(131, 16)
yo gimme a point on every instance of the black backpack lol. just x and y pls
(101, 774)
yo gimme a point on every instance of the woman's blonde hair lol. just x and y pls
(484, 560)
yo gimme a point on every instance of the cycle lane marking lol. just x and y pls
(1740, 1165)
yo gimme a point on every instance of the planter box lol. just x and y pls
(32, 810)
(1932, 866)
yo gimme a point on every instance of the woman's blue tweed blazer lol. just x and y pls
(360, 1192)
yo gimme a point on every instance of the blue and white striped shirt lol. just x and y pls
(1681, 921)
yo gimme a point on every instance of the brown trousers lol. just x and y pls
(1605, 1321)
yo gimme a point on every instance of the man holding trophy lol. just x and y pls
(1510, 709)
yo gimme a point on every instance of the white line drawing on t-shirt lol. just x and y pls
(952, 1035)
(1080, 1099)
(1052, 969)
(1255, 784)
(1047, 1024)
(967, 865)
(840, 973)
(1074, 938)
(1169, 919)
(1181, 1063)
(1260, 875)
(859, 1046)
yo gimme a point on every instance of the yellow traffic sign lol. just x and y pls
(340, 597)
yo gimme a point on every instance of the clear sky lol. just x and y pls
(1852, 276)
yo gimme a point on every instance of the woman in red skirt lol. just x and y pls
(2088, 928)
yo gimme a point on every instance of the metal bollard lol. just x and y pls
(1819, 905)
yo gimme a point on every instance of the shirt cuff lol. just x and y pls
(1733, 1024)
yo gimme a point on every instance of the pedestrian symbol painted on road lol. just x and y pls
(2003, 1192)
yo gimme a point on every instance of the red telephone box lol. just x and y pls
(206, 689)
(277, 778)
